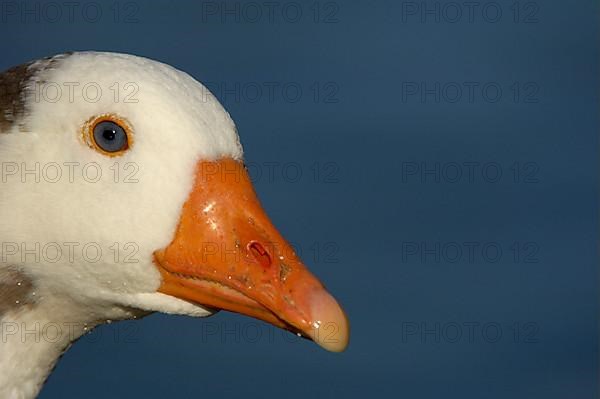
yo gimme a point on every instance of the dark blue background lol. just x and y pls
(360, 219)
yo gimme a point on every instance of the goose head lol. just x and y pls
(124, 192)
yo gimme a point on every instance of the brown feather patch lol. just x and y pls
(12, 95)
(15, 291)
(14, 85)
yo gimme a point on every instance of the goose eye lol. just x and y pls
(110, 137)
(108, 134)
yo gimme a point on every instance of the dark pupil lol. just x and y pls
(109, 134)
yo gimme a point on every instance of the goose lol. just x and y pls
(123, 193)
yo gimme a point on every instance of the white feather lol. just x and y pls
(176, 122)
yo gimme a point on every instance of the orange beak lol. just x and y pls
(227, 255)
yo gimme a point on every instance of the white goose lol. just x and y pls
(124, 193)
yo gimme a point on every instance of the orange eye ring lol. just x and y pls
(90, 137)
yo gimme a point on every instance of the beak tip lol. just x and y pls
(330, 327)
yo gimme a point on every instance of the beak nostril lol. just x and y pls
(260, 253)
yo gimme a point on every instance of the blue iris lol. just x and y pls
(110, 137)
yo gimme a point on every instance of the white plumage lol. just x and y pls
(176, 121)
